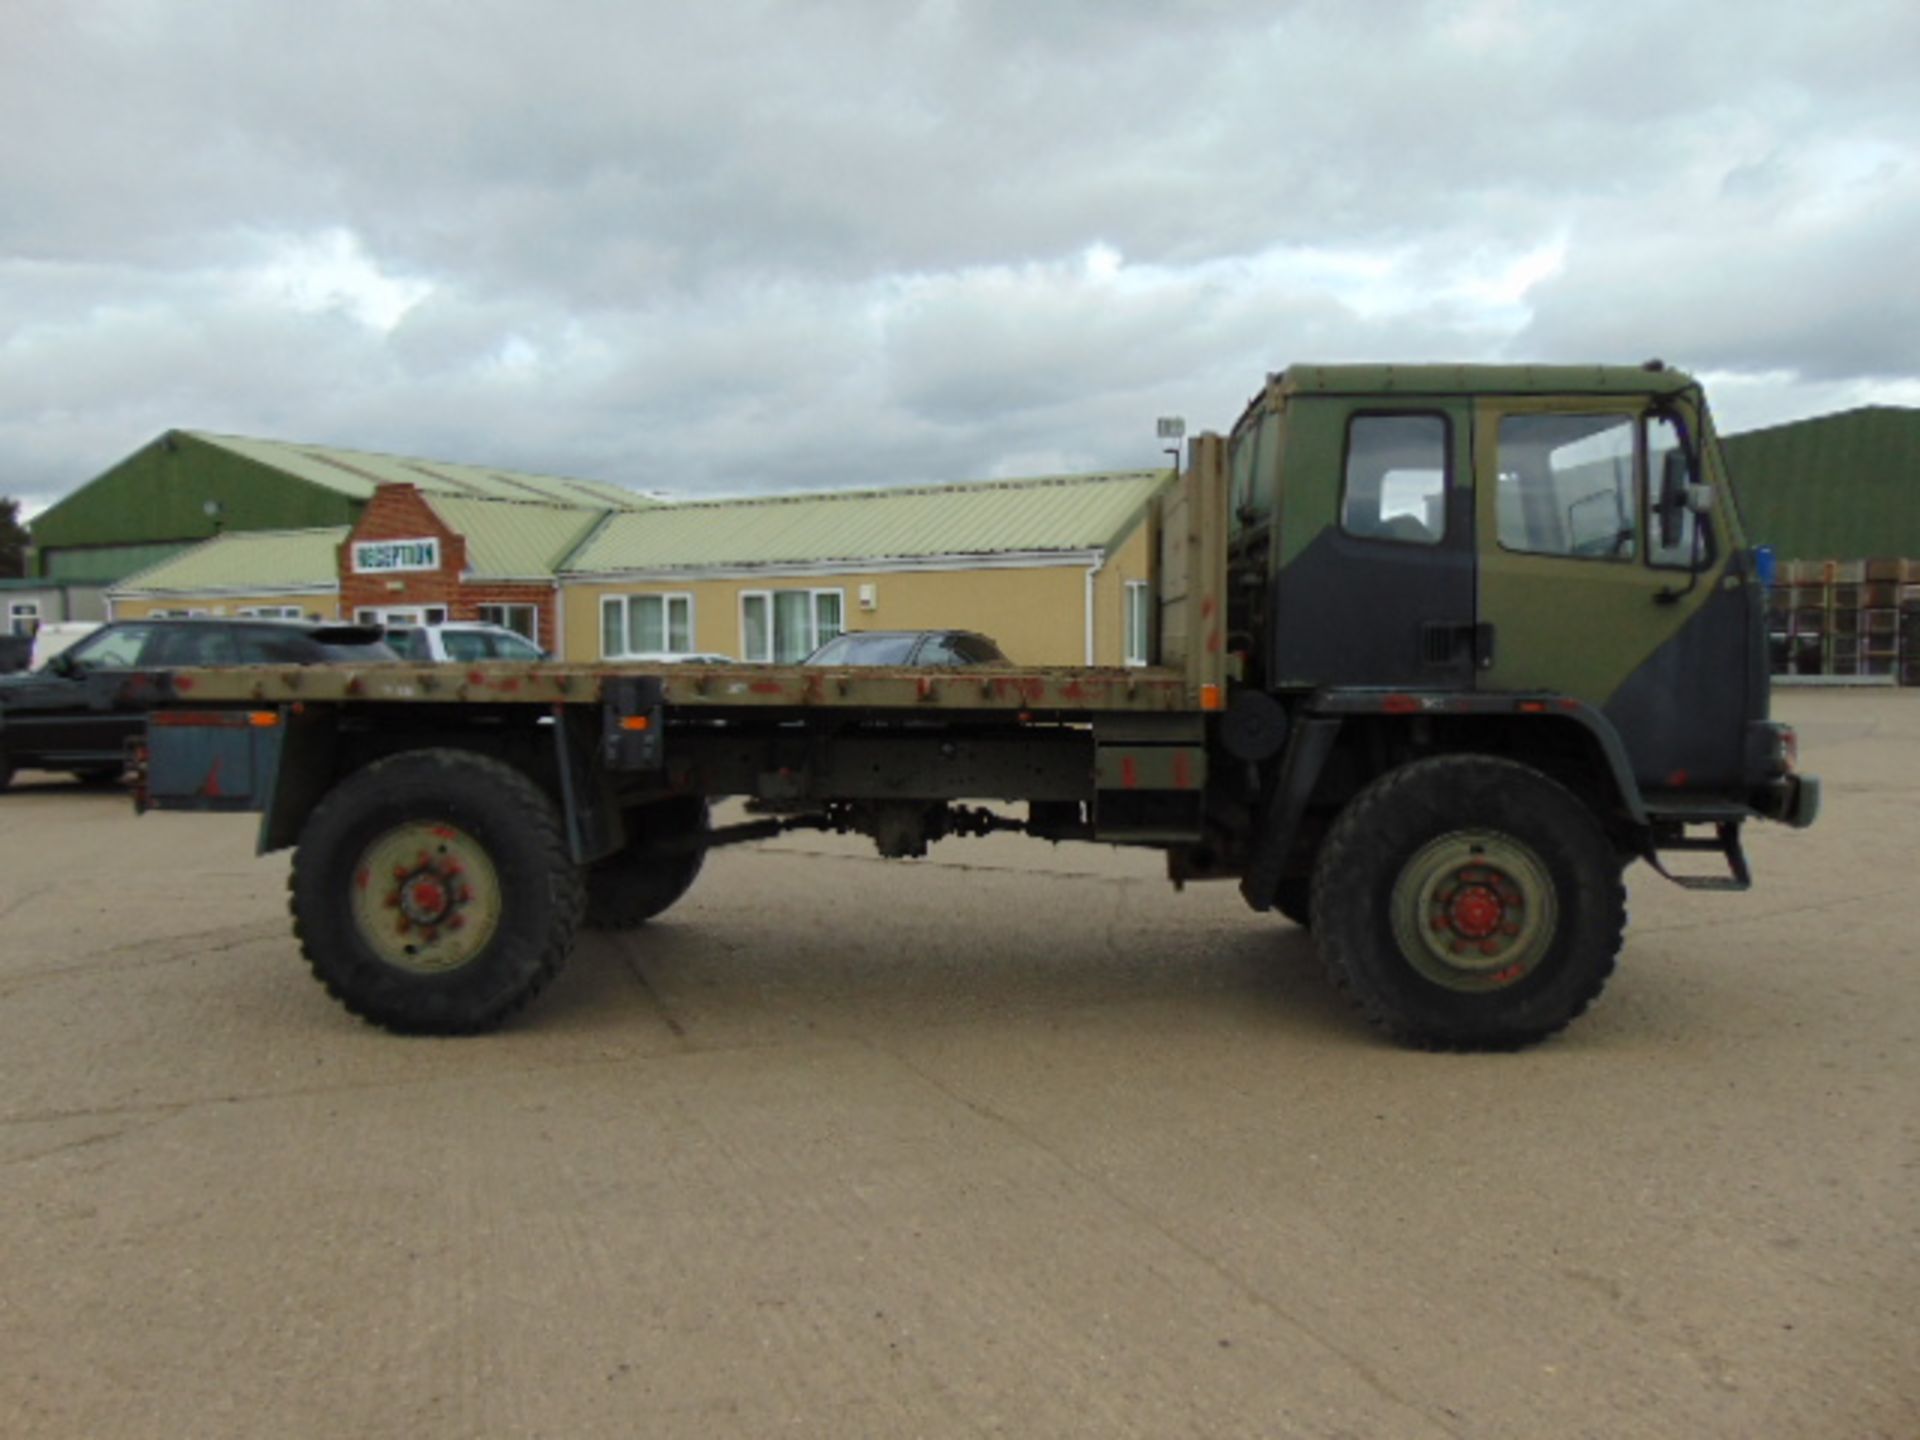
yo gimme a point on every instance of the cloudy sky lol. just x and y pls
(726, 247)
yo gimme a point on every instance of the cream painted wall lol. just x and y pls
(327, 607)
(1132, 561)
(1037, 614)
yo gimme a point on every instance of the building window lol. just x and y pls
(521, 619)
(270, 612)
(23, 617)
(401, 615)
(645, 625)
(786, 626)
(1139, 622)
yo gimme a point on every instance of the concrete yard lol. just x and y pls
(1012, 1141)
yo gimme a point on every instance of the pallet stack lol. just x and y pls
(1909, 622)
(1850, 618)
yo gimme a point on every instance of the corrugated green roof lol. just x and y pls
(356, 472)
(262, 562)
(1839, 487)
(512, 539)
(1056, 513)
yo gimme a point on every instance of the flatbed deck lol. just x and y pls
(1014, 690)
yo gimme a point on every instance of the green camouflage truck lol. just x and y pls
(1440, 652)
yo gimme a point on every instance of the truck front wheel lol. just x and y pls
(433, 892)
(1468, 902)
(662, 859)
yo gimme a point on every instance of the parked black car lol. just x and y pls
(77, 713)
(908, 647)
(16, 653)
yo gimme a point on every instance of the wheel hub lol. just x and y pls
(1474, 910)
(1481, 907)
(426, 897)
(432, 894)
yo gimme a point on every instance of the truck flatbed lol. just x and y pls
(1058, 693)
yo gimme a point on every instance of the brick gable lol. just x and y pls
(399, 512)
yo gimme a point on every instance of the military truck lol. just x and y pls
(1440, 651)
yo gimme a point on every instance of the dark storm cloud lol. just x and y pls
(758, 246)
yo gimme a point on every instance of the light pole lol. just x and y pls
(1174, 428)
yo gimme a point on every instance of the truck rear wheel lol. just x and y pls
(632, 886)
(1470, 903)
(433, 892)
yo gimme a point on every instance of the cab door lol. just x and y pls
(1374, 583)
(1594, 584)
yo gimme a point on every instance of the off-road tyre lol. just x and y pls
(629, 888)
(491, 850)
(1468, 903)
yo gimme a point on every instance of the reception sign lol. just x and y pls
(385, 556)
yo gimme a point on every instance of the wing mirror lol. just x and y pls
(1679, 497)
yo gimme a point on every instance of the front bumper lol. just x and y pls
(1792, 799)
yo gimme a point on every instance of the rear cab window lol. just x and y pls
(1395, 479)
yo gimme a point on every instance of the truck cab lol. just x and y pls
(1560, 532)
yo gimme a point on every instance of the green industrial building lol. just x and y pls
(188, 486)
(1839, 487)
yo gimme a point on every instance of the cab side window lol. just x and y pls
(1566, 485)
(1396, 479)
